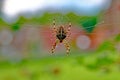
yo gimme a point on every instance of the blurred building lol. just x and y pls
(112, 17)
(115, 10)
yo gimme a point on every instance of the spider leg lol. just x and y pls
(54, 29)
(54, 26)
(54, 46)
(69, 27)
(68, 35)
(68, 31)
(67, 46)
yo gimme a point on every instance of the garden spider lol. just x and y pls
(61, 35)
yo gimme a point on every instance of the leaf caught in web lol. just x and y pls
(88, 23)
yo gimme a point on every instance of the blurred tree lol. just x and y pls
(1, 5)
(18, 24)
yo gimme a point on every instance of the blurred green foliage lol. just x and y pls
(117, 38)
(15, 27)
(107, 45)
(63, 68)
(3, 24)
(86, 22)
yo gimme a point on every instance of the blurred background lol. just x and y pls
(26, 39)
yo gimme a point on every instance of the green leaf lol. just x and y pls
(88, 23)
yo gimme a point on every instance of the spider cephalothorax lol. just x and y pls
(61, 36)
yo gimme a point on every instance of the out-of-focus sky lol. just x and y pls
(14, 7)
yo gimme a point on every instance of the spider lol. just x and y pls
(61, 35)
